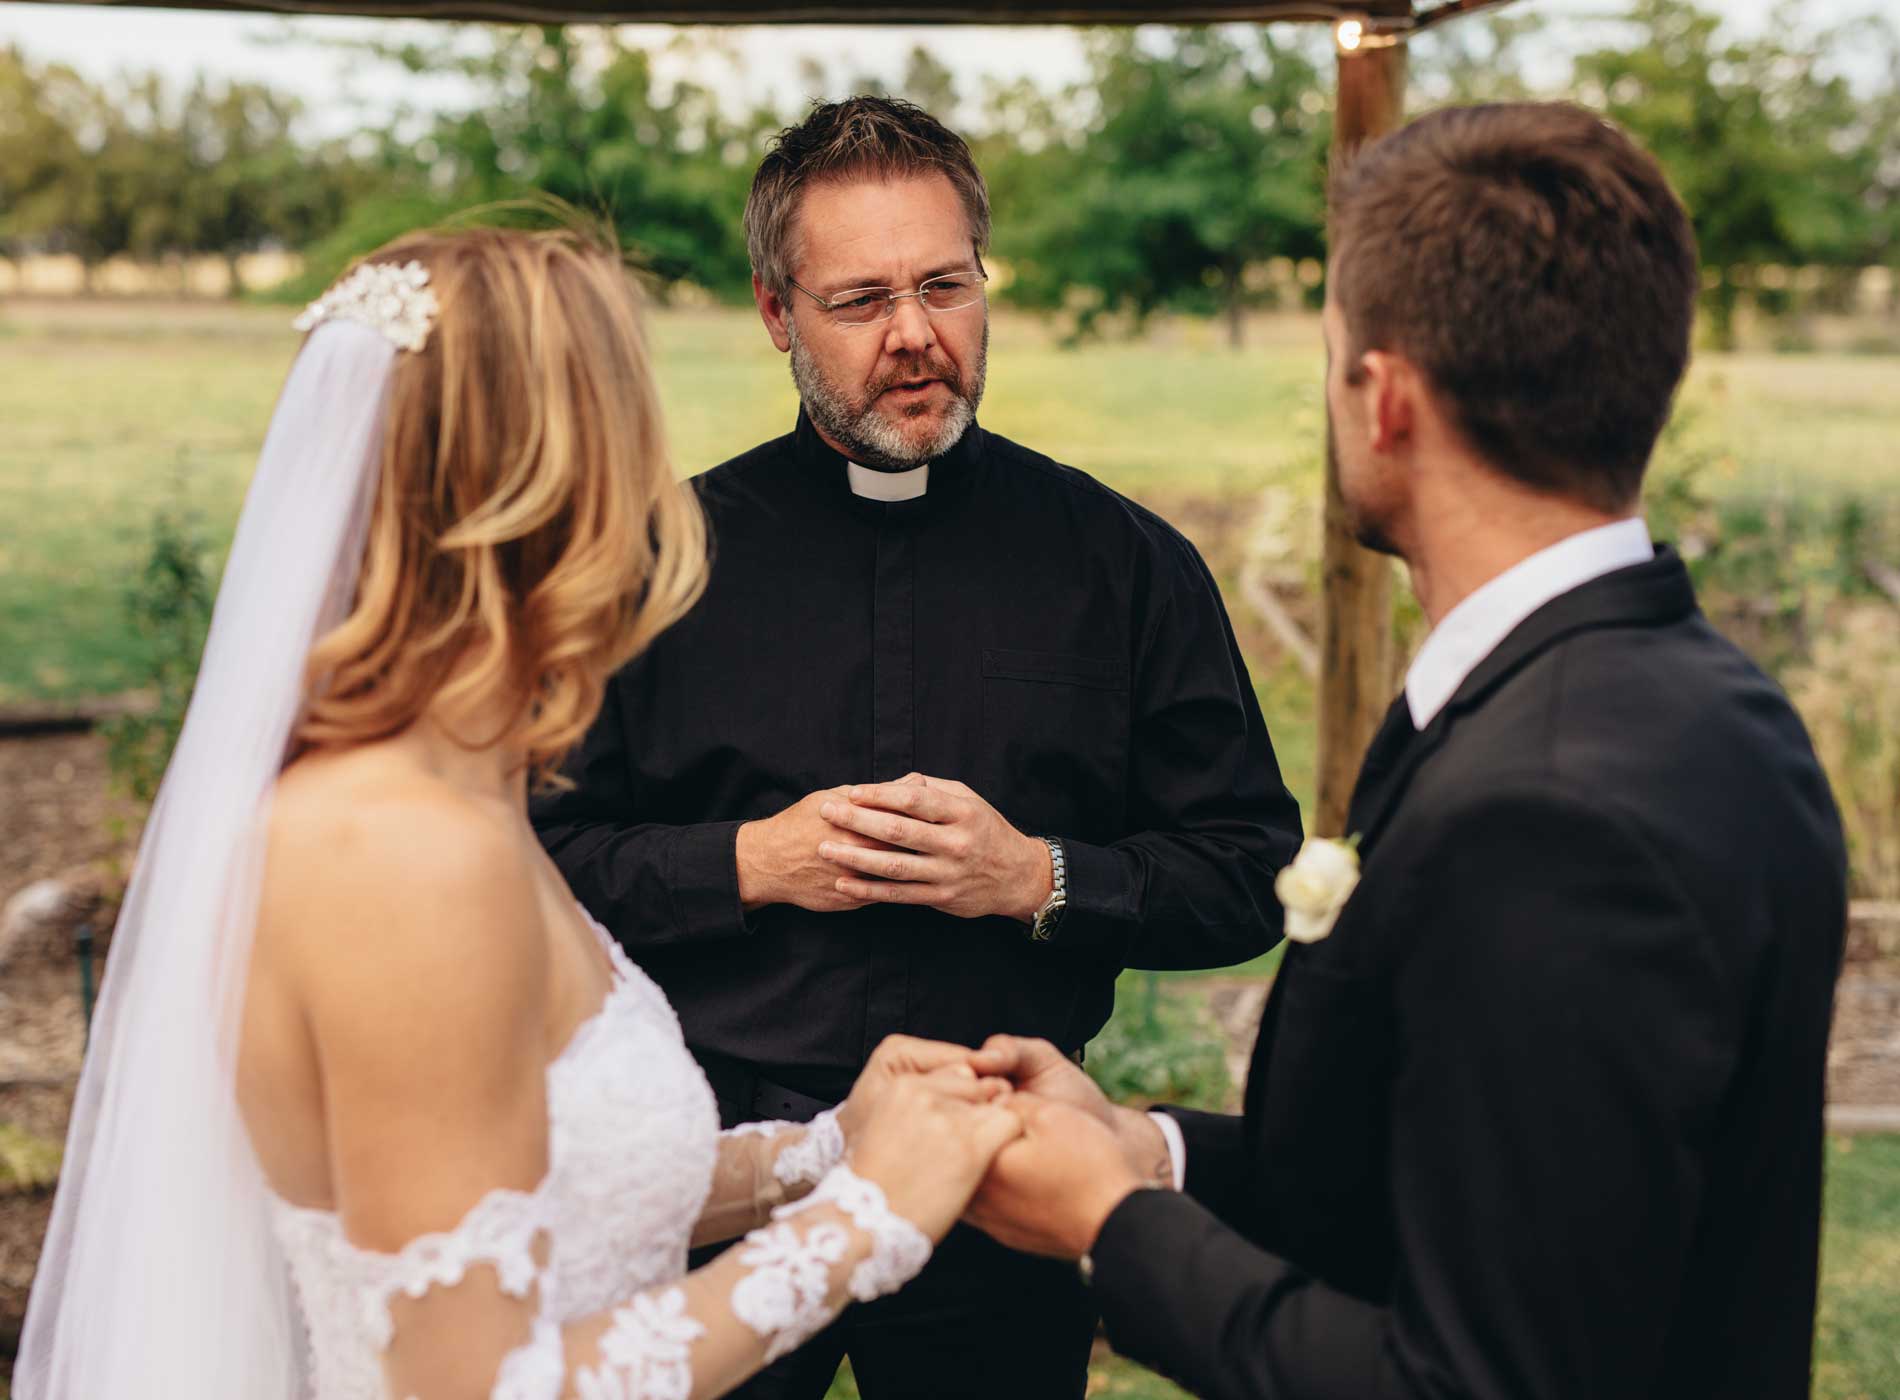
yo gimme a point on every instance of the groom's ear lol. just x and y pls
(773, 311)
(1391, 387)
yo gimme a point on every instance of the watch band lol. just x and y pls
(1043, 926)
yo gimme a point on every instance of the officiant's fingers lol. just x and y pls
(888, 826)
(907, 866)
(870, 892)
(918, 799)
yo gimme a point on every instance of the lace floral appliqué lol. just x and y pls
(647, 1352)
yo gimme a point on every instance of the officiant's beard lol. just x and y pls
(871, 437)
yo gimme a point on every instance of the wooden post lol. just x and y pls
(1355, 679)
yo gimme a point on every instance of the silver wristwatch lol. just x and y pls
(1043, 926)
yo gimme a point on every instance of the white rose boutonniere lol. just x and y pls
(1317, 885)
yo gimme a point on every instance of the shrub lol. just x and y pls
(169, 605)
(1849, 694)
(1161, 1046)
(27, 1163)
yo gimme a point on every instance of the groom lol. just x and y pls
(1540, 1114)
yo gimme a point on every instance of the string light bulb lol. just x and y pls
(1359, 33)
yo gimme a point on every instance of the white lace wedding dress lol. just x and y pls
(580, 1288)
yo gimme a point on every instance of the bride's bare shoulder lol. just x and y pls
(367, 856)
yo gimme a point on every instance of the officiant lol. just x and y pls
(955, 735)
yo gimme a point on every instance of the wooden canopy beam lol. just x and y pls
(826, 11)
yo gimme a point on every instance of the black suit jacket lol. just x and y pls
(1542, 1117)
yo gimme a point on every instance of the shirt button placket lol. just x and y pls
(893, 749)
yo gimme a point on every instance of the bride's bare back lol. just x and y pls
(397, 898)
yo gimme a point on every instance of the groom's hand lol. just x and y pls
(953, 851)
(1037, 1067)
(1050, 1191)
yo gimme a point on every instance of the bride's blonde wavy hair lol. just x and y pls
(528, 535)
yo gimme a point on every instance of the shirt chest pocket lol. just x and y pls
(1055, 741)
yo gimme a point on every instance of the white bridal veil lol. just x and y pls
(160, 1278)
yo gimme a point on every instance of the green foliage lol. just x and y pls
(134, 167)
(844, 1385)
(365, 227)
(1205, 159)
(576, 115)
(27, 1163)
(1162, 1045)
(169, 605)
(1765, 139)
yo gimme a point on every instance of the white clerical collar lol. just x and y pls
(888, 486)
(1472, 630)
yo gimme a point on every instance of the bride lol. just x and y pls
(372, 1108)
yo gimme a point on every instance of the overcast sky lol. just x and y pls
(293, 56)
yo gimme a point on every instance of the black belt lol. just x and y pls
(744, 1092)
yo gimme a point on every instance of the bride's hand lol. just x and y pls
(930, 1140)
(895, 1057)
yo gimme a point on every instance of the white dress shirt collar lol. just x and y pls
(888, 486)
(1472, 630)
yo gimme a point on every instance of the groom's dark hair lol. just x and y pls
(1535, 263)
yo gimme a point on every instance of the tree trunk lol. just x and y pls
(235, 288)
(1236, 309)
(1723, 299)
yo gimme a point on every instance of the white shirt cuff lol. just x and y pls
(1177, 1147)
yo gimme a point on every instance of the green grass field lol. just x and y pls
(112, 410)
(108, 412)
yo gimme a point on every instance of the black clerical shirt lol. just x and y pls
(1020, 628)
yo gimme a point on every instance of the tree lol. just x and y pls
(38, 148)
(1771, 151)
(1205, 157)
(581, 118)
(1477, 60)
(136, 169)
(245, 180)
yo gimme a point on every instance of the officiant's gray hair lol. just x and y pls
(860, 138)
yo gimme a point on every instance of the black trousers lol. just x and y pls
(981, 1322)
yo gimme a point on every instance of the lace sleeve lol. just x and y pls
(461, 1314)
(762, 1166)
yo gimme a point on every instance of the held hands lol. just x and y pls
(1050, 1190)
(1014, 1138)
(929, 1138)
(896, 1057)
(934, 842)
(1079, 1157)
